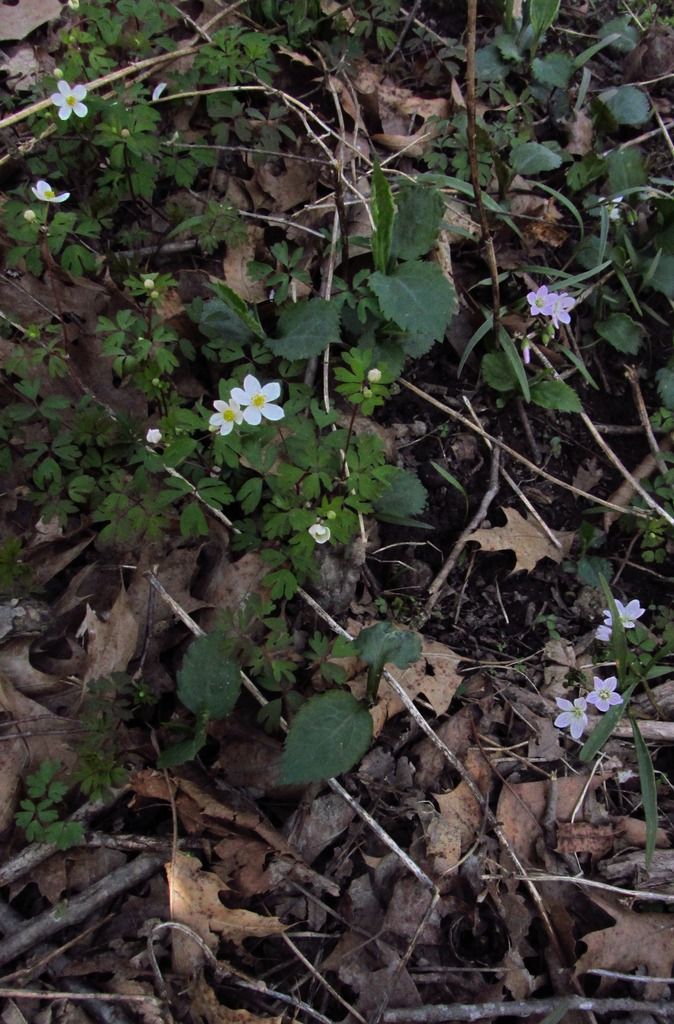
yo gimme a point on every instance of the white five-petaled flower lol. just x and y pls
(628, 614)
(573, 716)
(258, 400)
(225, 416)
(43, 190)
(69, 100)
(539, 301)
(604, 693)
(558, 310)
(153, 436)
(319, 532)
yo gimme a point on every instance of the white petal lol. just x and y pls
(271, 391)
(226, 427)
(252, 415)
(239, 396)
(220, 405)
(62, 198)
(251, 386)
(215, 420)
(158, 90)
(562, 721)
(79, 91)
(272, 412)
(57, 99)
(63, 88)
(64, 112)
(80, 109)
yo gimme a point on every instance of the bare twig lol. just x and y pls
(436, 586)
(524, 1008)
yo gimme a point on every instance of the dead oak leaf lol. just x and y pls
(635, 940)
(27, 15)
(525, 538)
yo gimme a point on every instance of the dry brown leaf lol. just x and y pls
(636, 940)
(41, 733)
(581, 134)
(525, 538)
(196, 903)
(293, 186)
(12, 757)
(110, 643)
(434, 675)
(15, 665)
(19, 21)
(460, 811)
(585, 837)
(522, 805)
(235, 266)
(205, 1004)
(22, 68)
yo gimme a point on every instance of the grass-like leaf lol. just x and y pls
(649, 793)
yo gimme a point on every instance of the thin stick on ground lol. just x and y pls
(524, 1008)
(435, 589)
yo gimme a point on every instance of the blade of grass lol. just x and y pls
(649, 793)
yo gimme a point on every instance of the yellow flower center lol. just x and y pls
(228, 415)
(49, 193)
(259, 400)
(71, 101)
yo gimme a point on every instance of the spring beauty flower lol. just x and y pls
(539, 301)
(225, 416)
(559, 308)
(153, 436)
(573, 716)
(628, 615)
(258, 400)
(604, 694)
(43, 190)
(69, 100)
(319, 532)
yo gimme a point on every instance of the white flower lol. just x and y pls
(627, 613)
(573, 716)
(604, 695)
(43, 190)
(226, 415)
(559, 308)
(69, 101)
(158, 90)
(258, 400)
(374, 375)
(319, 532)
(153, 436)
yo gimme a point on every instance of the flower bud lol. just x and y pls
(154, 294)
(374, 375)
(367, 392)
(125, 133)
(57, 73)
(74, 5)
(148, 283)
(30, 216)
(331, 514)
(153, 436)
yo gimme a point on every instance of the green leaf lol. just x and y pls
(662, 278)
(665, 379)
(405, 495)
(250, 494)
(625, 170)
(328, 735)
(555, 394)
(238, 306)
(627, 104)
(626, 33)
(649, 793)
(208, 682)
(221, 323)
(185, 750)
(515, 360)
(621, 332)
(305, 328)
(554, 70)
(193, 521)
(542, 14)
(489, 67)
(417, 297)
(419, 214)
(498, 373)
(533, 157)
(382, 643)
(383, 211)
